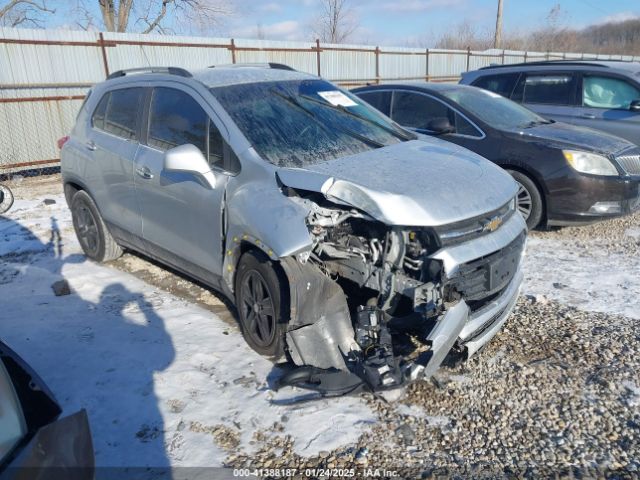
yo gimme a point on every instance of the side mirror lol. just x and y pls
(635, 106)
(440, 126)
(189, 159)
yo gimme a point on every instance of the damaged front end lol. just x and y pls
(378, 305)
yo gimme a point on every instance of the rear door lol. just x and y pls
(605, 102)
(111, 147)
(550, 94)
(182, 216)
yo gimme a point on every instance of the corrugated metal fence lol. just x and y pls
(44, 74)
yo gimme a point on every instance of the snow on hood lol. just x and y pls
(564, 135)
(416, 183)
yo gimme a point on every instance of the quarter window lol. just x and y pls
(118, 113)
(607, 92)
(176, 118)
(555, 89)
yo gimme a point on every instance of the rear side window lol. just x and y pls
(552, 89)
(118, 113)
(501, 84)
(176, 118)
(379, 100)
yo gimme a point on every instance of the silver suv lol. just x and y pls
(355, 249)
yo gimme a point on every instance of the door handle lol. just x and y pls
(589, 116)
(144, 172)
(91, 145)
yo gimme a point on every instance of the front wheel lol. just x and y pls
(262, 303)
(529, 199)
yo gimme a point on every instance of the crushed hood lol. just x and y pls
(563, 135)
(415, 183)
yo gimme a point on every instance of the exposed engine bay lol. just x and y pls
(369, 299)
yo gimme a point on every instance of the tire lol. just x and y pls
(95, 239)
(6, 199)
(530, 202)
(262, 300)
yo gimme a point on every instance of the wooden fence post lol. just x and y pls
(232, 47)
(427, 65)
(468, 57)
(377, 52)
(318, 54)
(105, 61)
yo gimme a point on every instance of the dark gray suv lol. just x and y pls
(596, 94)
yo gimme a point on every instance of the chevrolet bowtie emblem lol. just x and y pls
(493, 224)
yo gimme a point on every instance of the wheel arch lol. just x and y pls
(537, 182)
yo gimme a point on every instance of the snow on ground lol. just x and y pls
(164, 381)
(592, 279)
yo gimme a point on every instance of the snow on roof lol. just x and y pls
(229, 75)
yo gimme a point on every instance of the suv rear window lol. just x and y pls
(550, 89)
(118, 112)
(502, 84)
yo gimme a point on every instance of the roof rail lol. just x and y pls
(275, 66)
(170, 70)
(577, 61)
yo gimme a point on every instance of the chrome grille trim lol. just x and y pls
(630, 163)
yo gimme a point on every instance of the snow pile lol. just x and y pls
(591, 279)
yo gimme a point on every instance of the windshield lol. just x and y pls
(304, 122)
(493, 109)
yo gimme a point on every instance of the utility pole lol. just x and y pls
(497, 39)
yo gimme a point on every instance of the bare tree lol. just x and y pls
(336, 22)
(153, 15)
(464, 35)
(24, 12)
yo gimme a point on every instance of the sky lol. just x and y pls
(406, 22)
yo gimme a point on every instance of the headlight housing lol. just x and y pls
(591, 163)
(13, 427)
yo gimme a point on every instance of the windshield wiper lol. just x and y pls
(293, 101)
(396, 133)
(534, 123)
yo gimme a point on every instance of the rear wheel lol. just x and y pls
(529, 199)
(95, 239)
(262, 303)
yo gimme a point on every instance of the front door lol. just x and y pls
(182, 221)
(605, 105)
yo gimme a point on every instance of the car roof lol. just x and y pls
(435, 87)
(612, 65)
(217, 76)
(236, 74)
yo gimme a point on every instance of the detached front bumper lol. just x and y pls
(466, 330)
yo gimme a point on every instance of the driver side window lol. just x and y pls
(415, 110)
(176, 118)
(608, 93)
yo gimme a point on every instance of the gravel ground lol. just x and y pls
(557, 391)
